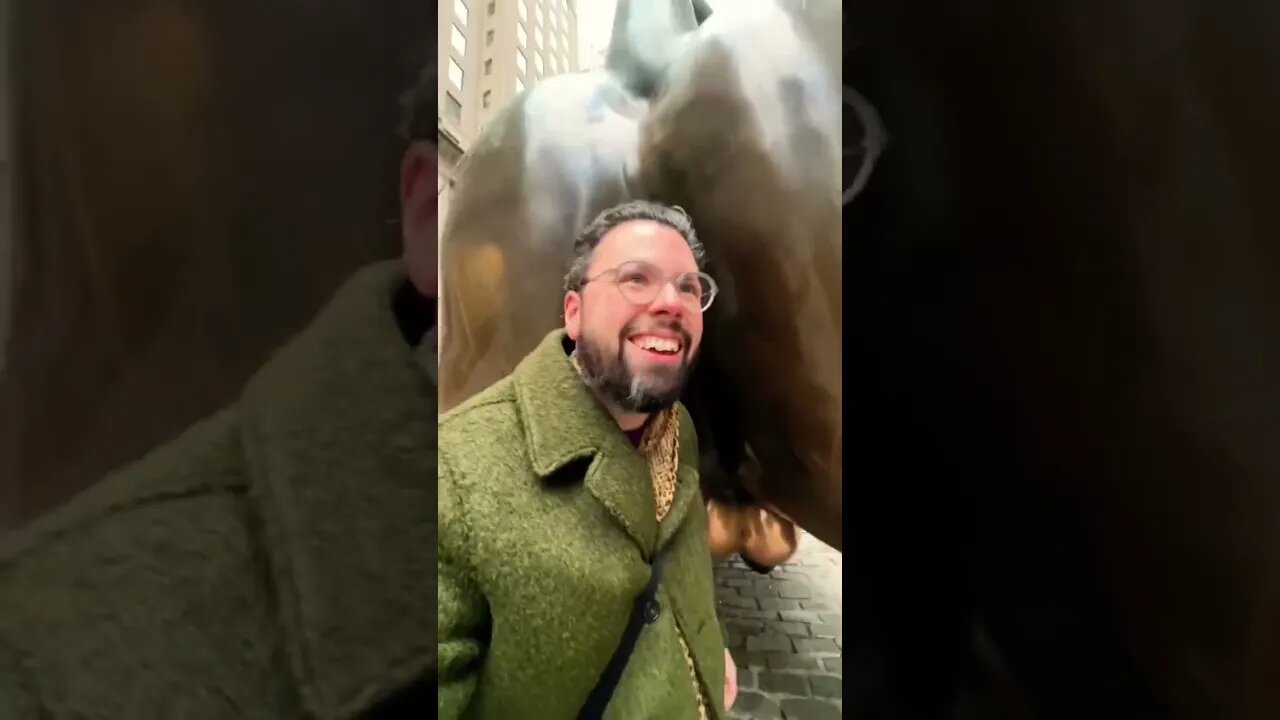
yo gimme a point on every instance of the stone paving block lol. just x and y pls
(744, 603)
(756, 706)
(808, 709)
(755, 659)
(784, 683)
(746, 678)
(778, 604)
(816, 646)
(834, 665)
(794, 629)
(817, 605)
(823, 630)
(745, 614)
(745, 627)
(769, 642)
(794, 591)
(790, 661)
(734, 582)
(762, 590)
(826, 686)
(832, 618)
(800, 616)
(757, 591)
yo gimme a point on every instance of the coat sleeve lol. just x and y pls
(463, 611)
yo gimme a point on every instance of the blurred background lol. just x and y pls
(184, 182)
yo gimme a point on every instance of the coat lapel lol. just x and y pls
(563, 422)
(340, 435)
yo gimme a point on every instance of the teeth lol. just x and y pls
(658, 344)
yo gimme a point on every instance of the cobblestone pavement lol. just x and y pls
(785, 631)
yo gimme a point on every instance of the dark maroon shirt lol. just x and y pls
(635, 436)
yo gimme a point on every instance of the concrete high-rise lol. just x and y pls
(489, 51)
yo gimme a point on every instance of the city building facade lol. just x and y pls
(489, 52)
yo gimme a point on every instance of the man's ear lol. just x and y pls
(573, 315)
(419, 212)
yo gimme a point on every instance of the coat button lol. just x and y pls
(651, 611)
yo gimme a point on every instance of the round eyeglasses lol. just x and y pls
(640, 282)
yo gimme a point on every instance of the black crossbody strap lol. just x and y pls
(641, 615)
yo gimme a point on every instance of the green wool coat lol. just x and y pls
(546, 524)
(275, 561)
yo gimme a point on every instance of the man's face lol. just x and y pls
(636, 354)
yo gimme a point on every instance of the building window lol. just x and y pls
(488, 67)
(519, 85)
(459, 41)
(488, 38)
(493, 8)
(452, 108)
(460, 10)
(537, 11)
(523, 10)
(521, 36)
(455, 73)
(521, 63)
(537, 62)
(486, 97)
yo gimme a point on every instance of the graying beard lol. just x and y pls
(638, 393)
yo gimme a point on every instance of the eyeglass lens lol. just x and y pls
(640, 283)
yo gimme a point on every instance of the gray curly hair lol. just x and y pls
(673, 216)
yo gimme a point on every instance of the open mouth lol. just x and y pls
(658, 347)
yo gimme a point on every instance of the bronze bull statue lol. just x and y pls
(736, 117)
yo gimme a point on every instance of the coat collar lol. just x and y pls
(340, 436)
(563, 422)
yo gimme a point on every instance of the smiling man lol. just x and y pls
(575, 577)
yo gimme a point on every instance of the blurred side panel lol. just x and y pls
(191, 180)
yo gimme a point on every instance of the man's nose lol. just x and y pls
(668, 301)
